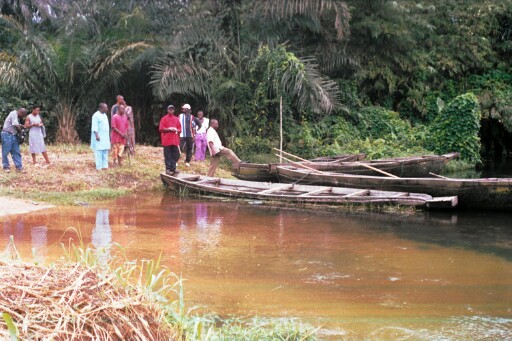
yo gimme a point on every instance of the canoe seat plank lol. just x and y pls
(276, 189)
(318, 191)
(358, 193)
(404, 194)
(443, 202)
(190, 177)
(205, 181)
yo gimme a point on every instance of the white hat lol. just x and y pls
(186, 106)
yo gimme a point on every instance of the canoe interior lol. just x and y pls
(301, 193)
(416, 166)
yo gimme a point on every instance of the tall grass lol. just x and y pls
(167, 289)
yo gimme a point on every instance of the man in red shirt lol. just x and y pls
(120, 127)
(170, 129)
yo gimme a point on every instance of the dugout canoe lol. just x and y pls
(414, 166)
(487, 193)
(266, 172)
(299, 194)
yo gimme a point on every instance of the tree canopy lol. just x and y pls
(236, 58)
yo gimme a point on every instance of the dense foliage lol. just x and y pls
(456, 128)
(353, 75)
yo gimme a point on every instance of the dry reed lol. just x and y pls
(73, 301)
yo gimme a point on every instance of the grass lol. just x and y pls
(81, 297)
(72, 177)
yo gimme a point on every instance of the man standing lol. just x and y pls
(10, 143)
(217, 150)
(100, 139)
(120, 126)
(188, 124)
(115, 107)
(170, 129)
(130, 142)
(201, 136)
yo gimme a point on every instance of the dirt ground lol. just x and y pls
(72, 177)
(10, 206)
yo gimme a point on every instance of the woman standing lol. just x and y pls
(37, 134)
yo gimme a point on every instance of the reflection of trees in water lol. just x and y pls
(102, 236)
(486, 232)
(39, 235)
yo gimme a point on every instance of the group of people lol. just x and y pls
(180, 133)
(119, 135)
(14, 124)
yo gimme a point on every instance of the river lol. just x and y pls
(431, 275)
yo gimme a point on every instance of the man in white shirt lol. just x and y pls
(217, 150)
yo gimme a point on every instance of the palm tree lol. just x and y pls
(74, 64)
(213, 50)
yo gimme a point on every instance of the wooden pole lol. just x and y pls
(295, 156)
(437, 175)
(377, 170)
(300, 165)
(357, 162)
(281, 129)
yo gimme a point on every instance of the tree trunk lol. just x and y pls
(66, 133)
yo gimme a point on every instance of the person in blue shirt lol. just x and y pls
(100, 136)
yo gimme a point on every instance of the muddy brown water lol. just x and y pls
(429, 276)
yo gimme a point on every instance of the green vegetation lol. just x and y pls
(354, 75)
(456, 128)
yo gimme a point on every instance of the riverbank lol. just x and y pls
(71, 178)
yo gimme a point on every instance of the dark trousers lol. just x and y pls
(171, 156)
(187, 143)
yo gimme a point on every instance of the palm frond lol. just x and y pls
(114, 62)
(303, 81)
(33, 60)
(205, 36)
(171, 75)
(311, 8)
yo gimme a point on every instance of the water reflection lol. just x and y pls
(200, 231)
(39, 235)
(366, 276)
(14, 228)
(102, 236)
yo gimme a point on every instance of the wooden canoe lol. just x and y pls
(266, 172)
(415, 166)
(492, 193)
(299, 194)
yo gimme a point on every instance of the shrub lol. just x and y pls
(248, 147)
(456, 129)
(377, 122)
